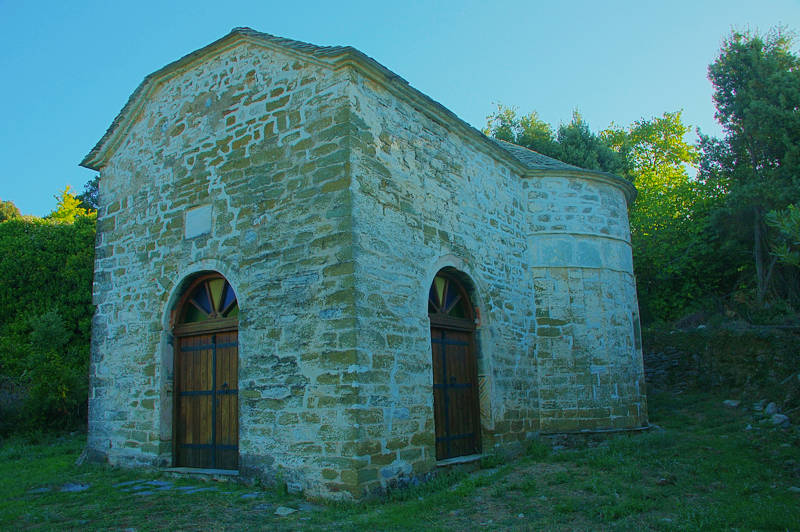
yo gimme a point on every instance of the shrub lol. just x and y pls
(45, 321)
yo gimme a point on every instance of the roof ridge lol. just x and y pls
(286, 41)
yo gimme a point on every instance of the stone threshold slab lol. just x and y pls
(459, 460)
(197, 471)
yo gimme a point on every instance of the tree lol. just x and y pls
(787, 246)
(671, 236)
(581, 147)
(69, 207)
(574, 143)
(528, 131)
(756, 82)
(88, 197)
(8, 211)
(45, 320)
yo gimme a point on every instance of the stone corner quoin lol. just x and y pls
(272, 217)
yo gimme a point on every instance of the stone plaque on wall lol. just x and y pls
(197, 221)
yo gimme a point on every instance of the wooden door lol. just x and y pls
(455, 394)
(456, 407)
(207, 409)
(206, 417)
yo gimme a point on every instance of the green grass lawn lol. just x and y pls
(700, 470)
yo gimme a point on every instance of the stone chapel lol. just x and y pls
(306, 269)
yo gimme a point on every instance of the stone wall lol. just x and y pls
(552, 277)
(588, 339)
(739, 359)
(426, 199)
(261, 137)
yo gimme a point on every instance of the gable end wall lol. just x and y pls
(263, 139)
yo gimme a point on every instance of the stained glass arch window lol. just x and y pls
(449, 303)
(209, 302)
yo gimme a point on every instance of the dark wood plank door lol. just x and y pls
(455, 393)
(207, 408)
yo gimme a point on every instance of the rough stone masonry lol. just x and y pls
(329, 193)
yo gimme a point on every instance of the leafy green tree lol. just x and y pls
(786, 246)
(8, 211)
(756, 81)
(573, 143)
(46, 269)
(581, 147)
(88, 197)
(69, 207)
(528, 130)
(671, 232)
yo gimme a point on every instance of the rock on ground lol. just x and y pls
(779, 419)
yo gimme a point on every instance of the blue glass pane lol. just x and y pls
(228, 297)
(201, 298)
(450, 296)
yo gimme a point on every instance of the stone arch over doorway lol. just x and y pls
(456, 402)
(205, 417)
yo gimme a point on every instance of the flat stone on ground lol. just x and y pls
(779, 419)
(309, 507)
(72, 487)
(159, 483)
(195, 489)
(128, 483)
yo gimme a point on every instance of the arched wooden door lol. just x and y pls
(455, 369)
(206, 421)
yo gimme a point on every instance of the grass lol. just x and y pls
(700, 469)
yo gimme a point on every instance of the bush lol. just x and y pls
(56, 374)
(45, 321)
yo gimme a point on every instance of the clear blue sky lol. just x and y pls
(68, 67)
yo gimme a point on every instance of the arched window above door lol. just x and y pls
(448, 303)
(208, 303)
